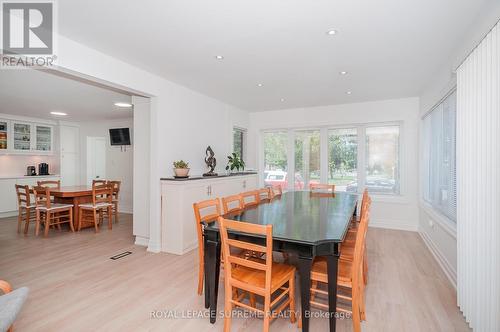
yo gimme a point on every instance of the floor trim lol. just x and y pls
(141, 241)
(440, 259)
(399, 225)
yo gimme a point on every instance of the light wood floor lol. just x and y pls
(74, 286)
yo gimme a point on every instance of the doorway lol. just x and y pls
(96, 158)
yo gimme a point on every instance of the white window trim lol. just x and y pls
(399, 198)
(245, 135)
(444, 222)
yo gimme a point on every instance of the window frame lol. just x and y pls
(243, 140)
(361, 162)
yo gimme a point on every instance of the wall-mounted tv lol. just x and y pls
(119, 136)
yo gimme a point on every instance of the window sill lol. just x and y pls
(444, 222)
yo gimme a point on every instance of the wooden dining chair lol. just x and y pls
(102, 195)
(276, 191)
(53, 184)
(115, 186)
(261, 277)
(251, 198)
(322, 188)
(205, 212)
(349, 280)
(26, 208)
(232, 204)
(53, 214)
(265, 195)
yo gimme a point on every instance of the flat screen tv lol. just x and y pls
(119, 136)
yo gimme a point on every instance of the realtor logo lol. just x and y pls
(27, 28)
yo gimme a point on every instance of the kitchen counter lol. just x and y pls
(28, 176)
(200, 177)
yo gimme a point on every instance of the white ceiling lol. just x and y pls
(391, 48)
(37, 93)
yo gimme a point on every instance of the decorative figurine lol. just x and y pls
(210, 161)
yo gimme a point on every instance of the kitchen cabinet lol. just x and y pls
(25, 137)
(177, 197)
(22, 136)
(4, 135)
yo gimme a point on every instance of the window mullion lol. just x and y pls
(361, 158)
(323, 155)
(291, 160)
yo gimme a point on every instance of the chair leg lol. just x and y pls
(116, 212)
(94, 212)
(365, 268)
(37, 222)
(110, 219)
(267, 312)
(228, 308)
(201, 270)
(80, 216)
(251, 297)
(19, 220)
(47, 223)
(27, 223)
(71, 220)
(356, 319)
(291, 294)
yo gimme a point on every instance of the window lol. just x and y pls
(439, 166)
(307, 161)
(238, 141)
(382, 159)
(275, 159)
(343, 159)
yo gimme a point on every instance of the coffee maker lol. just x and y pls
(31, 171)
(43, 169)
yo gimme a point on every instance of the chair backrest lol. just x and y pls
(364, 200)
(359, 249)
(265, 195)
(115, 186)
(23, 195)
(232, 259)
(276, 191)
(251, 198)
(99, 182)
(101, 193)
(55, 184)
(205, 212)
(42, 196)
(317, 187)
(232, 204)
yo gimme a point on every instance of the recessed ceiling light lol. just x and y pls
(348, 92)
(343, 73)
(331, 32)
(219, 57)
(260, 85)
(58, 113)
(282, 99)
(124, 105)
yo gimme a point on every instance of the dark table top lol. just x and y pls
(303, 218)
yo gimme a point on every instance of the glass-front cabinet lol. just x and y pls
(4, 135)
(25, 137)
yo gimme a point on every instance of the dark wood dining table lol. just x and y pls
(75, 195)
(305, 225)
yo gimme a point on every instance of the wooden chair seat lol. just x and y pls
(280, 274)
(55, 206)
(90, 206)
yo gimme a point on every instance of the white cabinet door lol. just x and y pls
(43, 136)
(8, 197)
(22, 136)
(4, 135)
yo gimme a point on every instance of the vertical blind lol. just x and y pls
(438, 164)
(478, 183)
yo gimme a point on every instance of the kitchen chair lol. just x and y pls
(254, 276)
(276, 191)
(115, 186)
(349, 280)
(232, 204)
(204, 212)
(322, 188)
(102, 195)
(53, 184)
(250, 198)
(53, 214)
(99, 182)
(265, 195)
(26, 208)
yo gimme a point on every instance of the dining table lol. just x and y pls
(75, 195)
(305, 225)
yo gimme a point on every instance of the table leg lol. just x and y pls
(212, 271)
(304, 265)
(332, 267)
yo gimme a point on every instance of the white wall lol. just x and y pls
(399, 212)
(181, 122)
(119, 164)
(438, 233)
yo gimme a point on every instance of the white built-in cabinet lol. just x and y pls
(177, 197)
(26, 137)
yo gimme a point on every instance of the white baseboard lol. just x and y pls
(8, 214)
(125, 209)
(141, 241)
(153, 247)
(448, 270)
(394, 224)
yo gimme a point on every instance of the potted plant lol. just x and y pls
(181, 168)
(235, 163)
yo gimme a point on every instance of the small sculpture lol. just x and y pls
(210, 161)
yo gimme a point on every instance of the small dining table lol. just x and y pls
(305, 225)
(75, 195)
